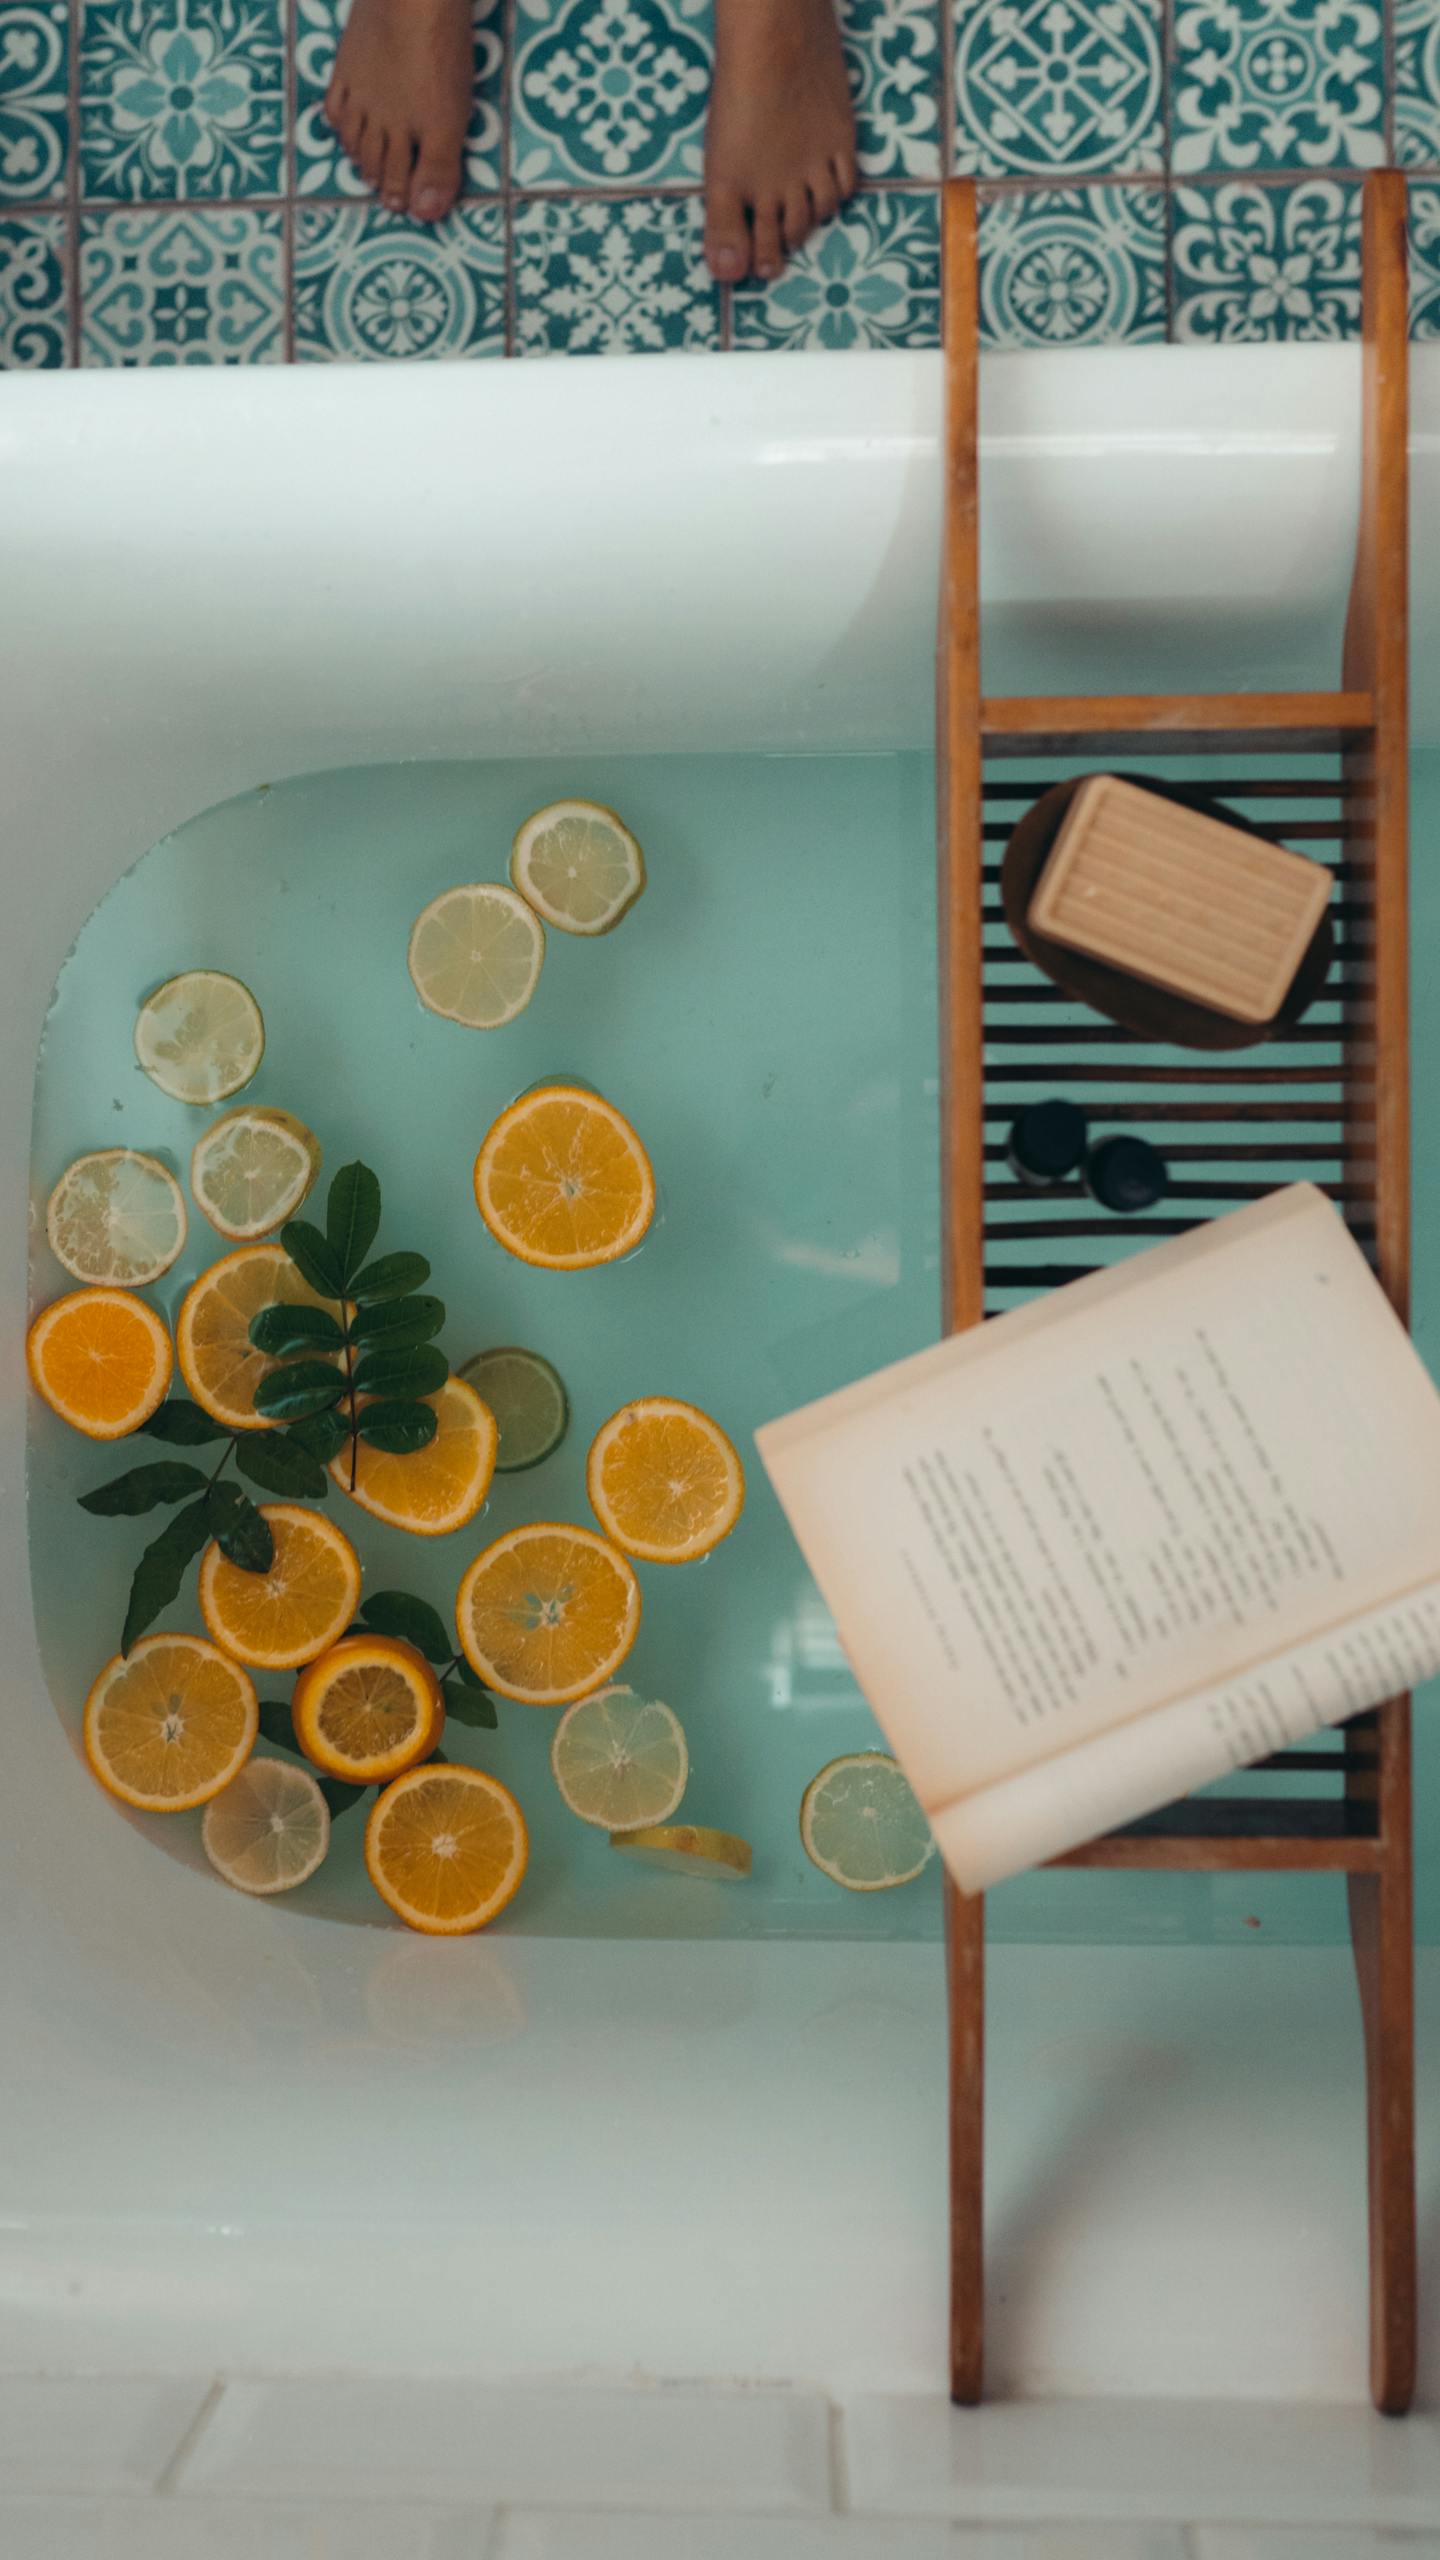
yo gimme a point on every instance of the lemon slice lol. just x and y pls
(528, 1400)
(861, 1825)
(476, 955)
(269, 1830)
(250, 1172)
(201, 1036)
(579, 866)
(687, 1849)
(620, 1761)
(116, 1219)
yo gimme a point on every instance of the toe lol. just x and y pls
(436, 182)
(824, 194)
(847, 176)
(333, 105)
(799, 220)
(727, 234)
(769, 252)
(370, 153)
(395, 174)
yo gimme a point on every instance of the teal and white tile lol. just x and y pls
(1277, 84)
(606, 275)
(182, 98)
(609, 92)
(34, 294)
(1417, 83)
(1262, 262)
(182, 286)
(1059, 87)
(1425, 262)
(892, 48)
(321, 167)
(870, 278)
(34, 99)
(1073, 267)
(370, 286)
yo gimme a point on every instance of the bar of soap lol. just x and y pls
(1179, 898)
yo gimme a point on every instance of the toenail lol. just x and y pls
(430, 203)
(395, 204)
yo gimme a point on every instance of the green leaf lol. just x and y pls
(161, 1569)
(460, 1670)
(184, 1425)
(323, 1434)
(399, 1613)
(278, 1463)
(399, 1324)
(307, 1386)
(468, 1708)
(238, 1529)
(278, 1725)
(312, 1257)
(419, 1370)
(352, 1218)
(143, 1489)
(339, 1796)
(399, 1429)
(282, 1331)
(393, 1276)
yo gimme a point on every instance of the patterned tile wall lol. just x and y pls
(169, 193)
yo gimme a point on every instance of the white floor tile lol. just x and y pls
(1306, 2542)
(680, 2448)
(91, 2433)
(555, 2536)
(158, 2529)
(1172, 2461)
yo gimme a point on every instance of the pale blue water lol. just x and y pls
(767, 1017)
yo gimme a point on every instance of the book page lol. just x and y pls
(1119, 1776)
(1124, 1494)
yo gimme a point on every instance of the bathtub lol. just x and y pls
(652, 2160)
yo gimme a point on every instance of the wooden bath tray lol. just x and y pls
(1331, 1102)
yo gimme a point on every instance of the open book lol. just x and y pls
(1136, 1534)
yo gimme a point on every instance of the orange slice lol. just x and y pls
(218, 1361)
(446, 1848)
(547, 1613)
(665, 1482)
(563, 1181)
(169, 1725)
(367, 1709)
(281, 1619)
(435, 1489)
(101, 1359)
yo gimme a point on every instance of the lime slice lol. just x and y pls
(116, 1219)
(269, 1829)
(200, 1036)
(528, 1400)
(250, 1172)
(861, 1825)
(685, 1849)
(476, 955)
(579, 866)
(620, 1761)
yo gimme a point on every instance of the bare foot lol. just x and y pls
(399, 99)
(780, 143)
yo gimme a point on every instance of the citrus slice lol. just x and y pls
(116, 1218)
(250, 1172)
(861, 1825)
(269, 1829)
(687, 1849)
(528, 1400)
(201, 1036)
(281, 1619)
(579, 866)
(563, 1181)
(665, 1482)
(476, 955)
(218, 1361)
(439, 1487)
(170, 1724)
(547, 1613)
(620, 1761)
(367, 1709)
(101, 1359)
(446, 1847)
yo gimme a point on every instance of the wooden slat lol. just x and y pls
(1105, 724)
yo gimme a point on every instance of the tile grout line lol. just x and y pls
(1167, 78)
(507, 170)
(169, 2478)
(72, 184)
(1387, 78)
(292, 184)
(948, 136)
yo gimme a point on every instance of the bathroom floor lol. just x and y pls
(1186, 168)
